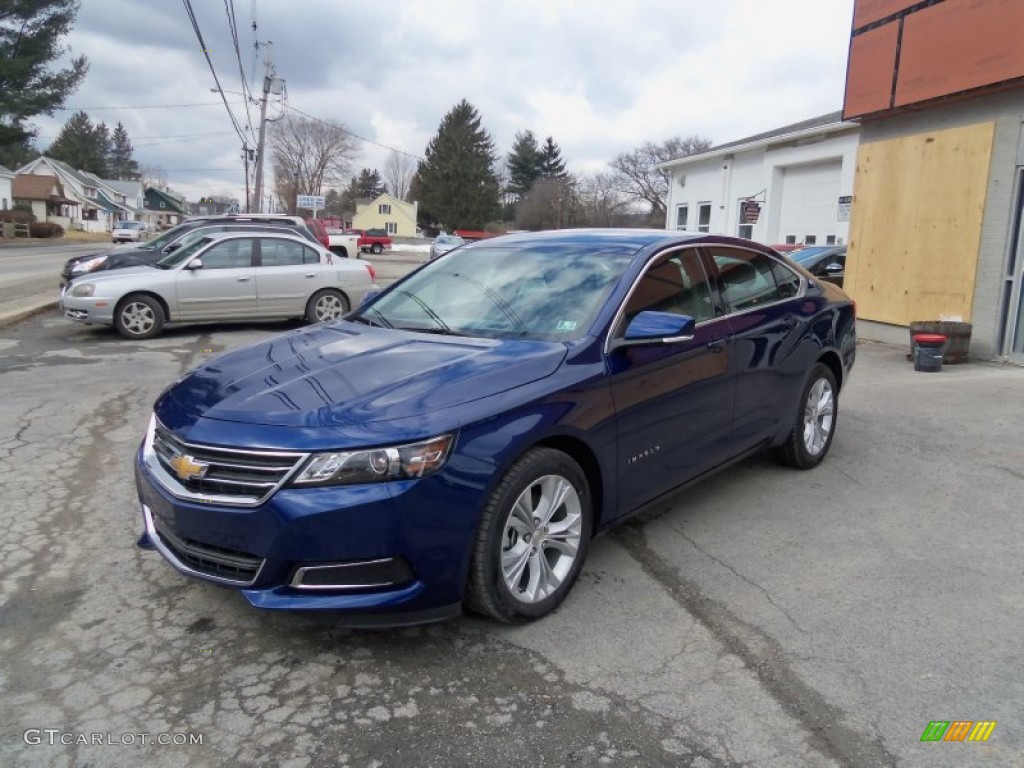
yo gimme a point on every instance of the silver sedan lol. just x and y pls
(225, 276)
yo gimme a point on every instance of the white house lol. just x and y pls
(6, 188)
(90, 213)
(790, 185)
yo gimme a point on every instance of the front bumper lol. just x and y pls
(91, 311)
(411, 538)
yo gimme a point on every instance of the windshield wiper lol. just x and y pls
(380, 322)
(499, 302)
(433, 315)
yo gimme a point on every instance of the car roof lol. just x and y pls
(283, 234)
(621, 239)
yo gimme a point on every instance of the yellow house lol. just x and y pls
(396, 217)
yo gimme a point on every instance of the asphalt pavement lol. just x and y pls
(768, 617)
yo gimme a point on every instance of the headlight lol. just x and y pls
(83, 291)
(88, 265)
(376, 465)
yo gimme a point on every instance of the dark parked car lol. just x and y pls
(183, 234)
(824, 262)
(461, 437)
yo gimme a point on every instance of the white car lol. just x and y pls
(225, 276)
(129, 232)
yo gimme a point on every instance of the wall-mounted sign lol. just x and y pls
(750, 211)
(845, 203)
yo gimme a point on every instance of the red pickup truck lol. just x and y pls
(373, 240)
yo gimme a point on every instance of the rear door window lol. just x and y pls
(749, 279)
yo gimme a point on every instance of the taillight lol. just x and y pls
(372, 271)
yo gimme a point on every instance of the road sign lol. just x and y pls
(311, 202)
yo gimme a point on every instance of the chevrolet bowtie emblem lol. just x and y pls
(188, 468)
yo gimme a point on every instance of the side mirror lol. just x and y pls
(835, 266)
(195, 264)
(172, 247)
(657, 328)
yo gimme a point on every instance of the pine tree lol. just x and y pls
(552, 166)
(120, 163)
(81, 145)
(524, 163)
(30, 31)
(456, 180)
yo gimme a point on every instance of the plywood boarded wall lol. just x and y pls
(915, 227)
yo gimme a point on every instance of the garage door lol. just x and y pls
(810, 198)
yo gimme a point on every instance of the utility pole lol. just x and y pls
(268, 78)
(247, 156)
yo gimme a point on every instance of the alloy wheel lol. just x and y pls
(818, 414)
(541, 538)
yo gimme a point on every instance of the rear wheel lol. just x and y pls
(377, 248)
(533, 538)
(815, 424)
(139, 317)
(339, 250)
(326, 305)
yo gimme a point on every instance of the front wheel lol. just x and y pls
(326, 305)
(533, 538)
(815, 424)
(139, 317)
(377, 248)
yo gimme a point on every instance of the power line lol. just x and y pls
(146, 106)
(355, 135)
(213, 71)
(229, 8)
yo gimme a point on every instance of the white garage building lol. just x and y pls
(790, 185)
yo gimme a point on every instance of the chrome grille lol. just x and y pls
(229, 475)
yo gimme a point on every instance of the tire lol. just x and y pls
(377, 248)
(326, 305)
(510, 578)
(339, 250)
(816, 419)
(139, 317)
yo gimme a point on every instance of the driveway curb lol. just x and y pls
(17, 315)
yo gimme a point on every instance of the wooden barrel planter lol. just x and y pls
(957, 333)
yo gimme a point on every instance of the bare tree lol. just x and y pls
(309, 156)
(152, 176)
(398, 173)
(599, 202)
(638, 177)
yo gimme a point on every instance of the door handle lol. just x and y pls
(311, 274)
(242, 279)
(717, 345)
(790, 321)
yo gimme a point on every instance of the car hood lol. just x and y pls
(108, 253)
(106, 276)
(349, 375)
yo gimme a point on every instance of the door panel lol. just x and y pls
(287, 275)
(673, 401)
(770, 347)
(223, 288)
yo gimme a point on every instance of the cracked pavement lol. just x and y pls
(763, 618)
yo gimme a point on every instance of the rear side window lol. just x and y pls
(280, 253)
(749, 279)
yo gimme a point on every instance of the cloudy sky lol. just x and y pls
(601, 77)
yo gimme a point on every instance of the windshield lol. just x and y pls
(168, 237)
(449, 240)
(805, 255)
(129, 225)
(550, 293)
(183, 254)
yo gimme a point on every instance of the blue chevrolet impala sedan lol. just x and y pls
(459, 439)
